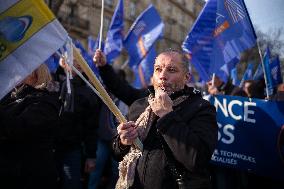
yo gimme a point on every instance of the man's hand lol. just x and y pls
(127, 133)
(99, 58)
(213, 90)
(90, 165)
(161, 104)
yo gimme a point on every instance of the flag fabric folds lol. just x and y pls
(221, 32)
(276, 72)
(146, 29)
(52, 63)
(92, 46)
(144, 71)
(267, 72)
(247, 75)
(114, 38)
(258, 75)
(234, 77)
(30, 34)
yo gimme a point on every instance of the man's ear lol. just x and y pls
(187, 77)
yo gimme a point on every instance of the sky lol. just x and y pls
(266, 14)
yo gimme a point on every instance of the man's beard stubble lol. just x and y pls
(169, 88)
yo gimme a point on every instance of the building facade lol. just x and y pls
(82, 18)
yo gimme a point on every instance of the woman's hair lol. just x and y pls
(43, 77)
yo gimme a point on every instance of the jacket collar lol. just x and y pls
(190, 91)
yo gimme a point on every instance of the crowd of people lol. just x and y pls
(56, 133)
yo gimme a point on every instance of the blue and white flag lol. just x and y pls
(234, 77)
(144, 71)
(276, 72)
(92, 46)
(29, 35)
(144, 32)
(267, 71)
(114, 38)
(258, 75)
(250, 135)
(220, 33)
(247, 75)
(53, 63)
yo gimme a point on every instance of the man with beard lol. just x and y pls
(178, 129)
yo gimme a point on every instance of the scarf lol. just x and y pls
(128, 165)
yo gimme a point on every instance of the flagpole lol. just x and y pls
(105, 97)
(213, 80)
(102, 24)
(259, 51)
(264, 71)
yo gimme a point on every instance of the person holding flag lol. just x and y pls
(178, 142)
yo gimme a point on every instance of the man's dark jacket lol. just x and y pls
(190, 131)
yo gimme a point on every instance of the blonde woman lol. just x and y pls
(28, 119)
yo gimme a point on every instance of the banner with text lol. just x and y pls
(251, 134)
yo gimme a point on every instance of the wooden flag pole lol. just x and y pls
(103, 94)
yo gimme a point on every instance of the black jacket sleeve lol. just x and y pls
(120, 88)
(191, 133)
(119, 151)
(28, 118)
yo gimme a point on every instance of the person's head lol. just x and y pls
(280, 87)
(39, 78)
(254, 88)
(248, 87)
(171, 71)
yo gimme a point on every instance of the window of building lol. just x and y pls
(132, 8)
(168, 8)
(106, 23)
(109, 3)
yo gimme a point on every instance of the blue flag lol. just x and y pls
(276, 72)
(234, 77)
(267, 72)
(144, 71)
(52, 63)
(114, 38)
(92, 46)
(86, 56)
(146, 29)
(221, 32)
(258, 75)
(248, 74)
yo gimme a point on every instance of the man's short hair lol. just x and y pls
(184, 59)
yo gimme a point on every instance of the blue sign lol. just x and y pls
(251, 135)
